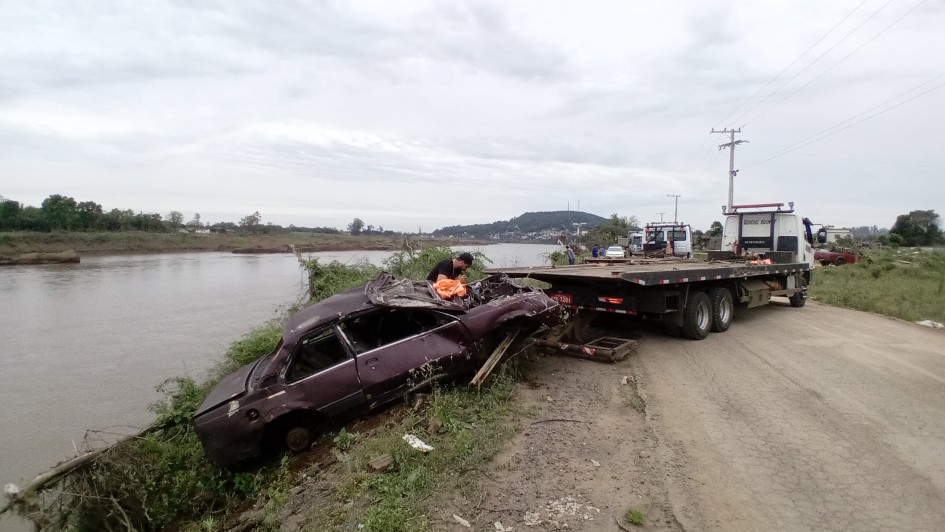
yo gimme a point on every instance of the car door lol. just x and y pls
(321, 374)
(398, 349)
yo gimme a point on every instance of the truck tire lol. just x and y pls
(722, 308)
(799, 298)
(840, 261)
(697, 316)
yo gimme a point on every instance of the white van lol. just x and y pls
(678, 234)
(635, 242)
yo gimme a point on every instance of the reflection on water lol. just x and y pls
(84, 345)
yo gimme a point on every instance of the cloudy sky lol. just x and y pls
(427, 114)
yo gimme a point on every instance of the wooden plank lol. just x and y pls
(493, 360)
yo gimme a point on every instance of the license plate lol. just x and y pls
(562, 299)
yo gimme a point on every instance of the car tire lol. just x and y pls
(298, 438)
(723, 308)
(697, 316)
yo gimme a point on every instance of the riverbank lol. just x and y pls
(19, 243)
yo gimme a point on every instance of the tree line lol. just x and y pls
(64, 213)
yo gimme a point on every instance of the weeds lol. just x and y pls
(903, 283)
(635, 517)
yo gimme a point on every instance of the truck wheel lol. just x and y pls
(722, 308)
(840, 261)
(697, 316)
(799, 298)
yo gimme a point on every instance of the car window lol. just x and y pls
(376, 329)
(315, 352)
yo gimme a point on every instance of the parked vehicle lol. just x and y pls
(615, 252)
(358, 350)
(657, 234)
(635, 241)
(837, 256)
(768, 253)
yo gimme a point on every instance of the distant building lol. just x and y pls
(836, 233)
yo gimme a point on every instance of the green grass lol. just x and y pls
(635, 517)
(474, 426)
(904, 283)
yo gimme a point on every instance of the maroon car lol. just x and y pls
(357, 350)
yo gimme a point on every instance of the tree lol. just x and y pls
(251, 223)
(607, 233)
(175, 219)
(355, 226)
(88, 216)
(59, 211)
(918, 228)
(194, 224)
(715, 229)
(9, 214)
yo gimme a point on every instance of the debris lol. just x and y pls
(532, 519)
(435, 426)
(493, 359)
(625, 380)
(461, 521)
(380, 464)
(10, 490)
(417, 443)
(498, 526)
(642, 454)
(595, 463)
(932, 324)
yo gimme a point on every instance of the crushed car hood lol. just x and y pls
(229, 387)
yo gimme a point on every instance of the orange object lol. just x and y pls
(449, 288)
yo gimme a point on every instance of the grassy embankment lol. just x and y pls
(162, 480)
(904, 283)
(141, 242)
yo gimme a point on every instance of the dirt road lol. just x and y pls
(795, 419)
(812, 419)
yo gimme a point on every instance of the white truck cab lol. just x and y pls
(679, 236)
(635, 242)
(767, 229)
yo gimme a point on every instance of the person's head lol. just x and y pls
(466, 259)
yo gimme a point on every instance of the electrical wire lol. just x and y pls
(798, 58)
(844, 58)
(833, 130)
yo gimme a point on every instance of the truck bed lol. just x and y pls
(645, 272)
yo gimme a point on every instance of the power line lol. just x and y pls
(844, 58)
(824, 133)
(798, 58)
(812, 63)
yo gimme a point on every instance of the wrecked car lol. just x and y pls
(355, 351)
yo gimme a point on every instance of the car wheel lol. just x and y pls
(825, 263)
(840, 261)
(298, 438)
(697, 316)
(722, 308)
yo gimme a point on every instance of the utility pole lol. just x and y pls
(676, 208)
(661, 216)
(731, 159)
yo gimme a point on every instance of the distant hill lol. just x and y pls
(530, 224)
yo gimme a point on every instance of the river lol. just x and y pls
(84, 346)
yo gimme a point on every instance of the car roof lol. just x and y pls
(326, 311)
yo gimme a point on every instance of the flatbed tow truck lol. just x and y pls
(766, 252)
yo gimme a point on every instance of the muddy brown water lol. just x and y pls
(83, 346)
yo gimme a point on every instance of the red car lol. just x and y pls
(837, 256)
(357, 350)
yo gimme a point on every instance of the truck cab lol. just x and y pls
(635, 242)
(769, 231)
(677, 235)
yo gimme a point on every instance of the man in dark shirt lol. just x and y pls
(451, 268)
